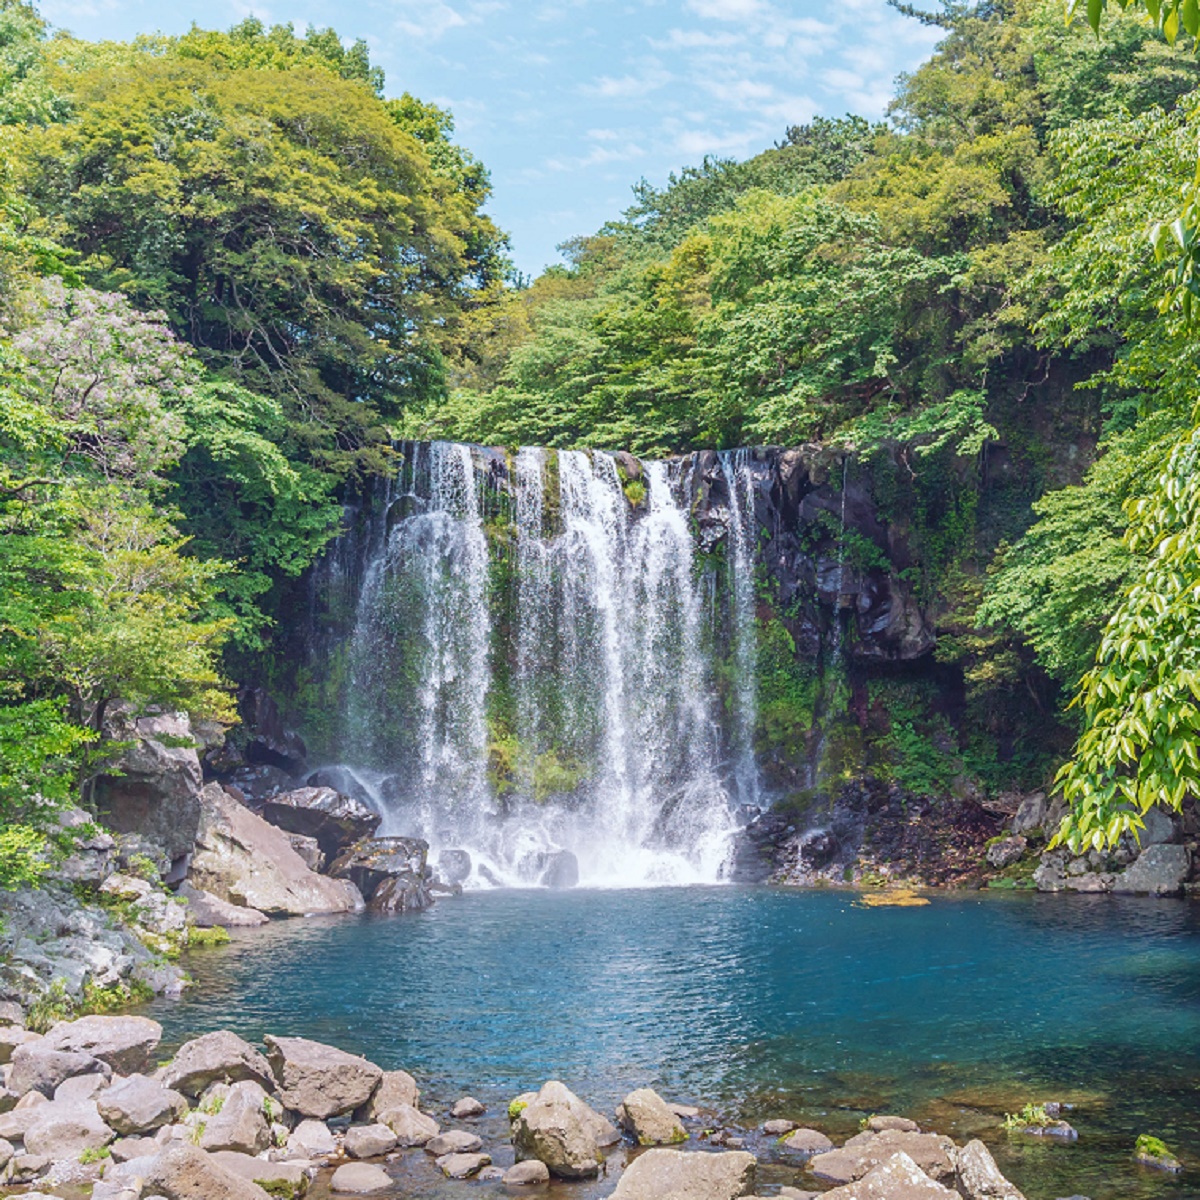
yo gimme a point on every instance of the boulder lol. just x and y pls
(221, 1056)
(371, 863)
(453, 1141)
(1006, 851)
(865, 1151)
(80, 1087)
(321, 1081)
(395, 1088)
(124, 1149)
(153, 786)
(896, 1178)
(454, 866)
(266, 738)
(644, 1115)
(527, 1173)
(411, 1127)
(467, 1107)
(774, 1128)
(309, 849)
(369, 1141)
(242, 1124)
(137, 1105)
(1031, 814)
(244, 860)
(311, 1139)
(184, 1172)
(978, 1176)
(124, 1043)
(12, 1036)
(561, 870)
(276, 1178)
(559, 1129)
(1160, 870)
(37, 1067)
(334, 820)
(807, 1142)
(59, 1131)
(880, 1124)
(91, 857)
(360, 1179)
(676, 1175)
(210, 912)
(463, 1166)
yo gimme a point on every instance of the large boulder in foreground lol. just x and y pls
(220, 1057)
(395, 1088)
(139, 1105)
(676, 1175)
(896, 1178)
(336, 821)
(242, 1125)
(644, 1115)
(560, 1130)
(244, 860)
(66, 1130)
(389, 871)
(184, 1172)
(37, 1067)
(153, 788)
(932, 1152)
(1160, 870)
(320, 1081)
(124, 1043)
(978, 1176)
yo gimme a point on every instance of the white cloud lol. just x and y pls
(725, 10)
(627, 87)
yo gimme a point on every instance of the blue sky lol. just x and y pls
(569, 102)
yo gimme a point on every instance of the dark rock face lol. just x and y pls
(270, 743)
(336, 821)
(397, 862)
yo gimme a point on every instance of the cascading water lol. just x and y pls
(531, 667)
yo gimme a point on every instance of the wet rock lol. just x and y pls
(267, 739)
(210, 912)
(309, 850)
(138, 1105)
(37, 1067)
(674, 1174)
(311, 1139)
(154, 786)
(369, 1141)
(559, 1129)
(123, 1043)
(463, 1166)
(411, 1127)
(453, 1141)
(454, 866)
(360, 1179)
(59, 1131)
(807, 1142)
(321, 1081)
(220, 1056)
(978, 1177)
(1005, 852)
(468, 1106)
(241, 1125)
(1160, 870)
(879, 1124)
(778, 1128)
(862, 1153)
(395, 1088)
(334, 820)
(561, 870)
(896, 1178)
(254, 785)
(395, 861)
(527, 1173)
(644, 1115)
(183, 1172)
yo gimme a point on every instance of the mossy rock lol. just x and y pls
(1154, 1153)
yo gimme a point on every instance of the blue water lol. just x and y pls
(759, 1002)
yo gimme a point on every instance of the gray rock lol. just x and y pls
(309, 849)
(25, 1168)
(467, 1107)
(1051, 873)
(411, 1127)
(6, 1153)
(1005, 852)
(37, 1067)
(865, 1151)
(369, 1141)
(124, 1043)
(1160, 828)
(777, 1128)
(561, 871)
(454, 866)
(241, 1125)
(397, 862)
(807, 1142)
(220, 1056)
(183, 1172)
(491, 1174)
(80, 1087)
(12, 1036)
(360, 1179)
(321, 1081)
(559, 1129)
(676, 1175)
(1159, 870)
(879, 1124)
(277, 1178)
(644, 1115)
(527, 1173)
(244, 860)
(11, 1013)
(334, 820)
(463, 1166)
(896, 1178)
(395, 1088)
(1031, 814)
(66, 1130)
(124, 1149)
(311, 1139)
(978, 1176)
(210, 912)
(137, 1105)
(453, 1141)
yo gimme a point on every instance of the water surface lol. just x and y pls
(760, 1002)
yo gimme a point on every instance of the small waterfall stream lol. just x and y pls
(530, 674)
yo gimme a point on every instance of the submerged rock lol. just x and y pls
(676, 1175)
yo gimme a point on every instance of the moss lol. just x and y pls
(1149, 1146)
(635, 492)
(1031, 1116)
(213, 1105)
(516, 1108)
(216, 936)
(95, 1154)
(282, 1188)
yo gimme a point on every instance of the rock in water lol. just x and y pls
(397, 862)
(209, 911)
(124, 1043)
(242, 859)
(526, 1173)
(676, 1175)
(336, 821)
(454, 866)
(807, 1142)
(411, 1127)
(312, 1139)
(360, 1179)
(220, 1056)
(183, 1172)
(321, 1081)
(865, 1151)
(897, 1178)
(880, 1124)
(463, 1166)
(1159, 870)
(562, 870)
(978, 1176)
(369, 1141)
(395, 1088)
(645, 1116)
(453, 1141)
(560, 1130)
(468, 1106)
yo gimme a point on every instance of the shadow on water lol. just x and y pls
(763, 1003)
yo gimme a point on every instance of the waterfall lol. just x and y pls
(530, 674)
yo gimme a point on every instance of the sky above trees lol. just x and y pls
(568, 102)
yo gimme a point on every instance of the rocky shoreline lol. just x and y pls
(88, 1105)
